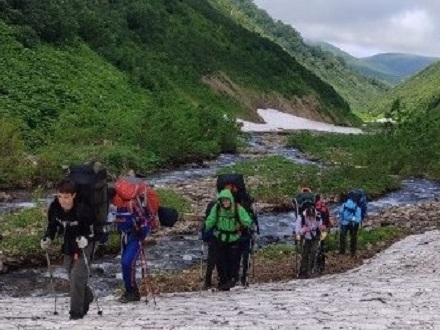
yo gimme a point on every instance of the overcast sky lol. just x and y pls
(364, 27)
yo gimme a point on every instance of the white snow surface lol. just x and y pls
(397, 289)
(278, 121)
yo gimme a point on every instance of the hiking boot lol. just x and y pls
(130, 296)
(207, 286)
(76, 316)
(303, 275)
(224, 287)
(243, 281)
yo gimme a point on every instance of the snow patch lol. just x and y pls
(277, 121)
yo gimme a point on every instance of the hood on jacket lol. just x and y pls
(226, 193)
(350, 204)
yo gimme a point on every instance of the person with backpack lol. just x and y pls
(324, 214)
(227, 218)
(308, 230)
(134, 221)
(73, 221)
(350, 216)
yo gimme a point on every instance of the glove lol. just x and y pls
(45, 243)
(323, 235)
(82, 242)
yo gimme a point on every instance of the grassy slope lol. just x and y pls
(122, 81)
(416, 95)
(356, 89)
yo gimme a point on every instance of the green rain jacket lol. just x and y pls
(226, 226)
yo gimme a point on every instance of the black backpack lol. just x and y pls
(303, 201)
(92, 189)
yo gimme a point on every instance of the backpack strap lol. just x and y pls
(228, 233)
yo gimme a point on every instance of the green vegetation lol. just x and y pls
(366, 239)
(139, 84)
(408, 149)
(356, 89)
(276, 179)
(170, 198)
(418, 94)
(21, 233)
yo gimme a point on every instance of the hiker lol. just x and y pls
(133, 222)
(350, 216)
(73, 221)
(324, 214)
(308, 227)
(226, 219)
(208, 237)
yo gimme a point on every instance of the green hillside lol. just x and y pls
(139, 84)
(418, 94)
(356, 89)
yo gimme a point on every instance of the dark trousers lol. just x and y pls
(80, 293)
(227, 260)
(308, 257)
(243, 258)
(210, 262)
(353, 229)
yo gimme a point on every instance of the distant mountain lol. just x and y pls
(392, 68)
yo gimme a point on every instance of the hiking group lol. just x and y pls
(79, 214)
(312, 223)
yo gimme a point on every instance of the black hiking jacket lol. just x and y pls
(72, 224)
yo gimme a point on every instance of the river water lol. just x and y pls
(179, 252)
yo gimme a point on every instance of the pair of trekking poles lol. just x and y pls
(52, 282)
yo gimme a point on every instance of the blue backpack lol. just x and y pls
(358, 196)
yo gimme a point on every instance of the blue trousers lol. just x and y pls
(130, 254)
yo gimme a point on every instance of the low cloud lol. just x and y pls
(364, 27)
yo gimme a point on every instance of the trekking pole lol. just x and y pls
(52, 282)
(253, 258)
(296, 257)
(201, 260)
(144, 276)
(86, 261)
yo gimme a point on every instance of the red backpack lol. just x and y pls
(132, 191)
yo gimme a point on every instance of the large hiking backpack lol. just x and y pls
(91, 182)
(303, 201)
(235, 183)
(358, 196)
(132, 193)
(130, 189)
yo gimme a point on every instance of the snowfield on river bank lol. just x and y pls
(397, 289)
(277, 121)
